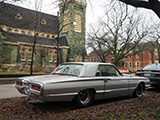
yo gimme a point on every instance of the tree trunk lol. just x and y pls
(33, 51)
(151, 4)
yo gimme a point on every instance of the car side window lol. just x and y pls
(107, 70)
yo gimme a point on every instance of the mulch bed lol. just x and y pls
(144, 108)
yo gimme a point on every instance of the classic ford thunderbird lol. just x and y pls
(82, 82)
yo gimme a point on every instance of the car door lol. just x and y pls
(115, 84)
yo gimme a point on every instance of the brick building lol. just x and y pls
(94, 57)
(132, 62)
(137, 61)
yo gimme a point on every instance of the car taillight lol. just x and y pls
(19, 83)
(36, 87)
(136, 73)
(158, 73)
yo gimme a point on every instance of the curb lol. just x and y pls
(7, 80)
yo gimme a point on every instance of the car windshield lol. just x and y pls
(73, 69)
(151, 67)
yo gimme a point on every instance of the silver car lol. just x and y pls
(83, 83)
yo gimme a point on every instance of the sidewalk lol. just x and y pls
(7, 80)
(2, 79)
(8, 91)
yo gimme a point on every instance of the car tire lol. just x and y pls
(138, 91)
(84, 98)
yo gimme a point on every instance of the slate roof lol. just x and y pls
(8, 13)
(7, 17)
(15, 38)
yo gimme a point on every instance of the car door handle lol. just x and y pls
(106, 80)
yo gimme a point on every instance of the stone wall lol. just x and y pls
(23, 68)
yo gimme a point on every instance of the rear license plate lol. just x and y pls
(27, 92)
(147, 75)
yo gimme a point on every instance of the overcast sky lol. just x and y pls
(95, 9)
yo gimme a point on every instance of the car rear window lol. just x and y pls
(73, 69)
(151, 67)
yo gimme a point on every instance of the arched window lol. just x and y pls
(52, 55)
(90, 59)
(16, 31)
(66, 21)
(22, 32)
(97, 59)
(94, 59)
(137, 64)
(48, 36)
(26, 51)
(125, 64)
(77, 27)
(130, 64)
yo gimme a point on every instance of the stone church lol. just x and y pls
(25, 33)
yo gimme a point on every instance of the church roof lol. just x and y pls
(23, 39)
(19, 17)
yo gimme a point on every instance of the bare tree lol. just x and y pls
(36, 23)
(154, 40)
(97, 46)
(120, 33)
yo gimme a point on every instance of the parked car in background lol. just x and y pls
(152, 72)
(82, 82)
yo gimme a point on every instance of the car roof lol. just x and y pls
(89, 68)
(93, 63)
(155, 66)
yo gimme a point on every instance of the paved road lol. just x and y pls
(8, 91)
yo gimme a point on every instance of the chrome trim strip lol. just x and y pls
(113, 90)
(107, 91)
(120, 89)
(64, 94)
(100, 91)
(148, 85)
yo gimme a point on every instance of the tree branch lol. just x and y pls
(150, 4)
(137, 3)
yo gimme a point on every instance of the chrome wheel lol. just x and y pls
(138, 91)
(84, 98)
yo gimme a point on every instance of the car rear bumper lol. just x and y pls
(46, 98)
(154, 80)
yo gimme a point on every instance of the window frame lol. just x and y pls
(78, 26)
(137, 56)
(130, 64)
(99, 71)
(26, 53)
(137, 64)
(125, 64)
(52, 54)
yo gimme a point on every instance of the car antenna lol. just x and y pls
(156, 62)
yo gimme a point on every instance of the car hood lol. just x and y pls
(48, 78)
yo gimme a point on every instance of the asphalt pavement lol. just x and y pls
(8, 91)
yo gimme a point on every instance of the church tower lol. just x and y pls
(74, 10)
